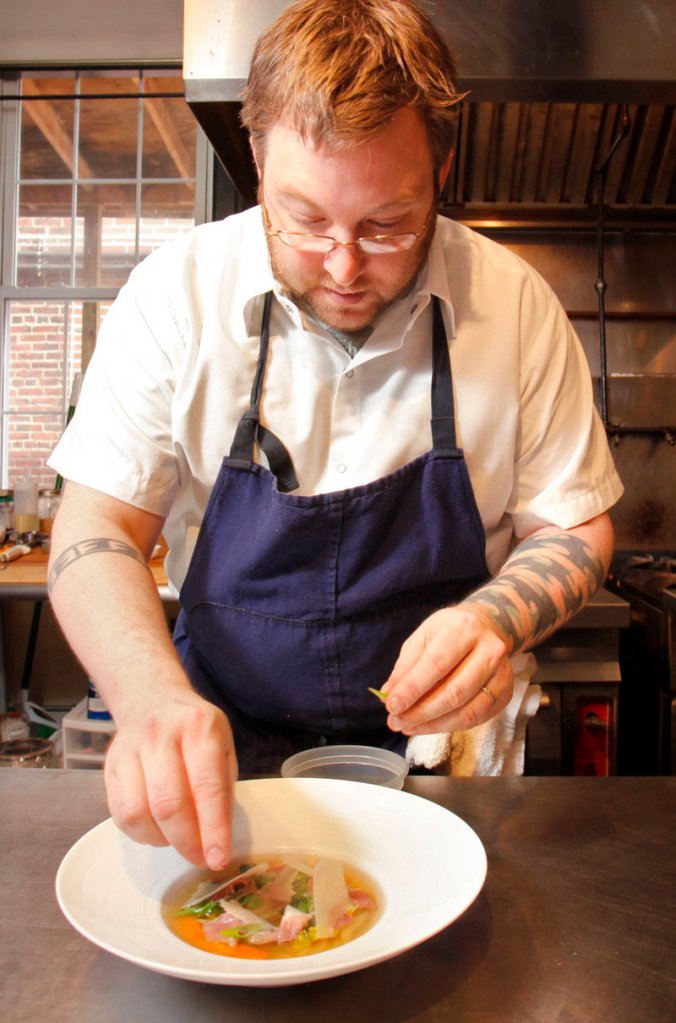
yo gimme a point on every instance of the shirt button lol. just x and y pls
(350, 373)
(341, 467)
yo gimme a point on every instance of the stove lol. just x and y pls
(578, 671)
(645, 574)
(647, 581)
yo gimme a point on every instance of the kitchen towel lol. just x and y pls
(496, 747)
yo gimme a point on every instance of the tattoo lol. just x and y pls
(543, 583)
(97, 545)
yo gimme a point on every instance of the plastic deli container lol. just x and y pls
(348, 763)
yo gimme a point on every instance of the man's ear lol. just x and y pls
(445, 168)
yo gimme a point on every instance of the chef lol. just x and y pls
(366, 433)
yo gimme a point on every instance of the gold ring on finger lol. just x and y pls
(489, 694)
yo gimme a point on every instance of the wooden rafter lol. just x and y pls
(158, 110)
(48, 122)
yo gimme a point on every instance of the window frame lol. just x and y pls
(10, 143)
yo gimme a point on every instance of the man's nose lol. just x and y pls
(344, 264)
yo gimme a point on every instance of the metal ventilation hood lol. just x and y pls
(550, 85)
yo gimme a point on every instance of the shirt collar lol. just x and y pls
(437, 280)
(258, 278)
(391, 330)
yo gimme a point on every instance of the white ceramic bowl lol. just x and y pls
(427, 864)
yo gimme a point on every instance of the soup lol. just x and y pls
(272, 907)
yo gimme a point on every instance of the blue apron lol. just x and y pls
(294, 605)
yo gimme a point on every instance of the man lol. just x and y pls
(386, 516)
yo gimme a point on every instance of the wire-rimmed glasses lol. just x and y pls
(372, 245)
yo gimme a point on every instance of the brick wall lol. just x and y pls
(46, 336)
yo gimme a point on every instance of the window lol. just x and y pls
(98, 168)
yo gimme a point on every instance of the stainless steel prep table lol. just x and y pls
(575, 922)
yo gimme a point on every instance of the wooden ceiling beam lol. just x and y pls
(159, 113)
(47, 121)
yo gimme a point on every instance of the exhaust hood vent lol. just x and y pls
(550, 85)
(538, 162)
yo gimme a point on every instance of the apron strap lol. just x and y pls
(250, 431)
(443, 409)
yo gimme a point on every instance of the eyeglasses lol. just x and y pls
(373, 245)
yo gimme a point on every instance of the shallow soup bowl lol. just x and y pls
(113, 890)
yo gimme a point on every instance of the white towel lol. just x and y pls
(495, 748)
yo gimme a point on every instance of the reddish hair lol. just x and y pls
(337, 71)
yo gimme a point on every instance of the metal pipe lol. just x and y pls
(601, 285)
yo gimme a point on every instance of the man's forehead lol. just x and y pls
(407, 123)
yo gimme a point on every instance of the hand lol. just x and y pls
(170, 772)
(436, 684)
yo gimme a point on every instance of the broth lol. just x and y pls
(201, 921)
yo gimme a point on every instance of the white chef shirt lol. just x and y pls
(174, 362)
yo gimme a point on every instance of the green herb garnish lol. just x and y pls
(206, 908)
(242, 932)
(380, 693)
(251, 901)
(304, 903)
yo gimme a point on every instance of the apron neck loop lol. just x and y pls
(443, 409)
(250, 431)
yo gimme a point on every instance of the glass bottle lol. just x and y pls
(48, 505)
(26, 519)
(6, 513)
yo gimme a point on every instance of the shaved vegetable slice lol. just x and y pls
(331, 897)
(302, 868)
(245, 915)
(380, 693)
(212, 892)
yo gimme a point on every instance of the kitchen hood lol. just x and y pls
(553, 88)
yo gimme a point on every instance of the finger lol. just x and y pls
(170, 799)
(448, 642)
(127, 798)
(483, 664)
(477, 711)
(212, 772)
(409, 654)
(443, 714)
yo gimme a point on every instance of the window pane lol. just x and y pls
(49, 343)
(169, 130)
(166, 210)
(47, 128)
(83, 326)
(36, 352)
(105, 244)
(84, 220)
(44, 235)
(108, 128)
(31, 439)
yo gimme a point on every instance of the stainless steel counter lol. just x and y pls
(575, 922)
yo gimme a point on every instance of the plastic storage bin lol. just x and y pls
(85, 740)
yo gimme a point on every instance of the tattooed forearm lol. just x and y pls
(96, 545)
(542, 584)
